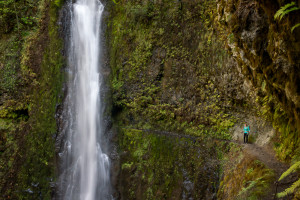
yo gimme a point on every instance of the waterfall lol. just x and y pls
(84, 165)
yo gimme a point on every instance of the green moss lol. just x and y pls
(244, 177)
(8, 72)
(40, 163)
(162, 68)
(287, 141)
(59, 3)
(155, 167)
(257, 181)
(28, 117)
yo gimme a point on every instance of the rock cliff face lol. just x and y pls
(170, 72)
(169, 68)
(163, 166)
(30, 85)
(267, 53)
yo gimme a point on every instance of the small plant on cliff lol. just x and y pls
(295, 185)
(286, 9)
(58, 3)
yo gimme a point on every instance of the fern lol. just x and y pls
(297, 25)
(284, 10)
(251, 185)
(295, 185)
(289, 190)
(58, 3)
(292, 169)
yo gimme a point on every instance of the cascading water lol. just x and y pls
(84, 166)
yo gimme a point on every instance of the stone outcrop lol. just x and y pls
(266, 50)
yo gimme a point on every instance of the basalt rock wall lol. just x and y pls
(267, 53)
(171, 72)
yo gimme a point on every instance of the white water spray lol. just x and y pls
(86, 175)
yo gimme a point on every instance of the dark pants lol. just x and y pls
(245, 137)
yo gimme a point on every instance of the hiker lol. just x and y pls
(246, 131)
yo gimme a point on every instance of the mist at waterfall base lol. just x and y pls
(83, 164)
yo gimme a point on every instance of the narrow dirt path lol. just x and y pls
(267, 156)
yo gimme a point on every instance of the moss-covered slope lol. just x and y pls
(169, 68)
(30, 85)
(245, 177)
(166, 167)
(170, 71)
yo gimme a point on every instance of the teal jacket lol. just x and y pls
(246, 129)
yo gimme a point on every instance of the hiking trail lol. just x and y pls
(263, 153)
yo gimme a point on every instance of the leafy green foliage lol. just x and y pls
(288, 148)
(8, 77)
(245, 177)
(17, 15)
(289, 190)
(39, 165)
(272, 110)
(292, 169)
(286, 9)
(32, 82)
(162, 70)
(155, 167)
(295, 26)
(17, 18)
(59, 3)
(295, 185)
